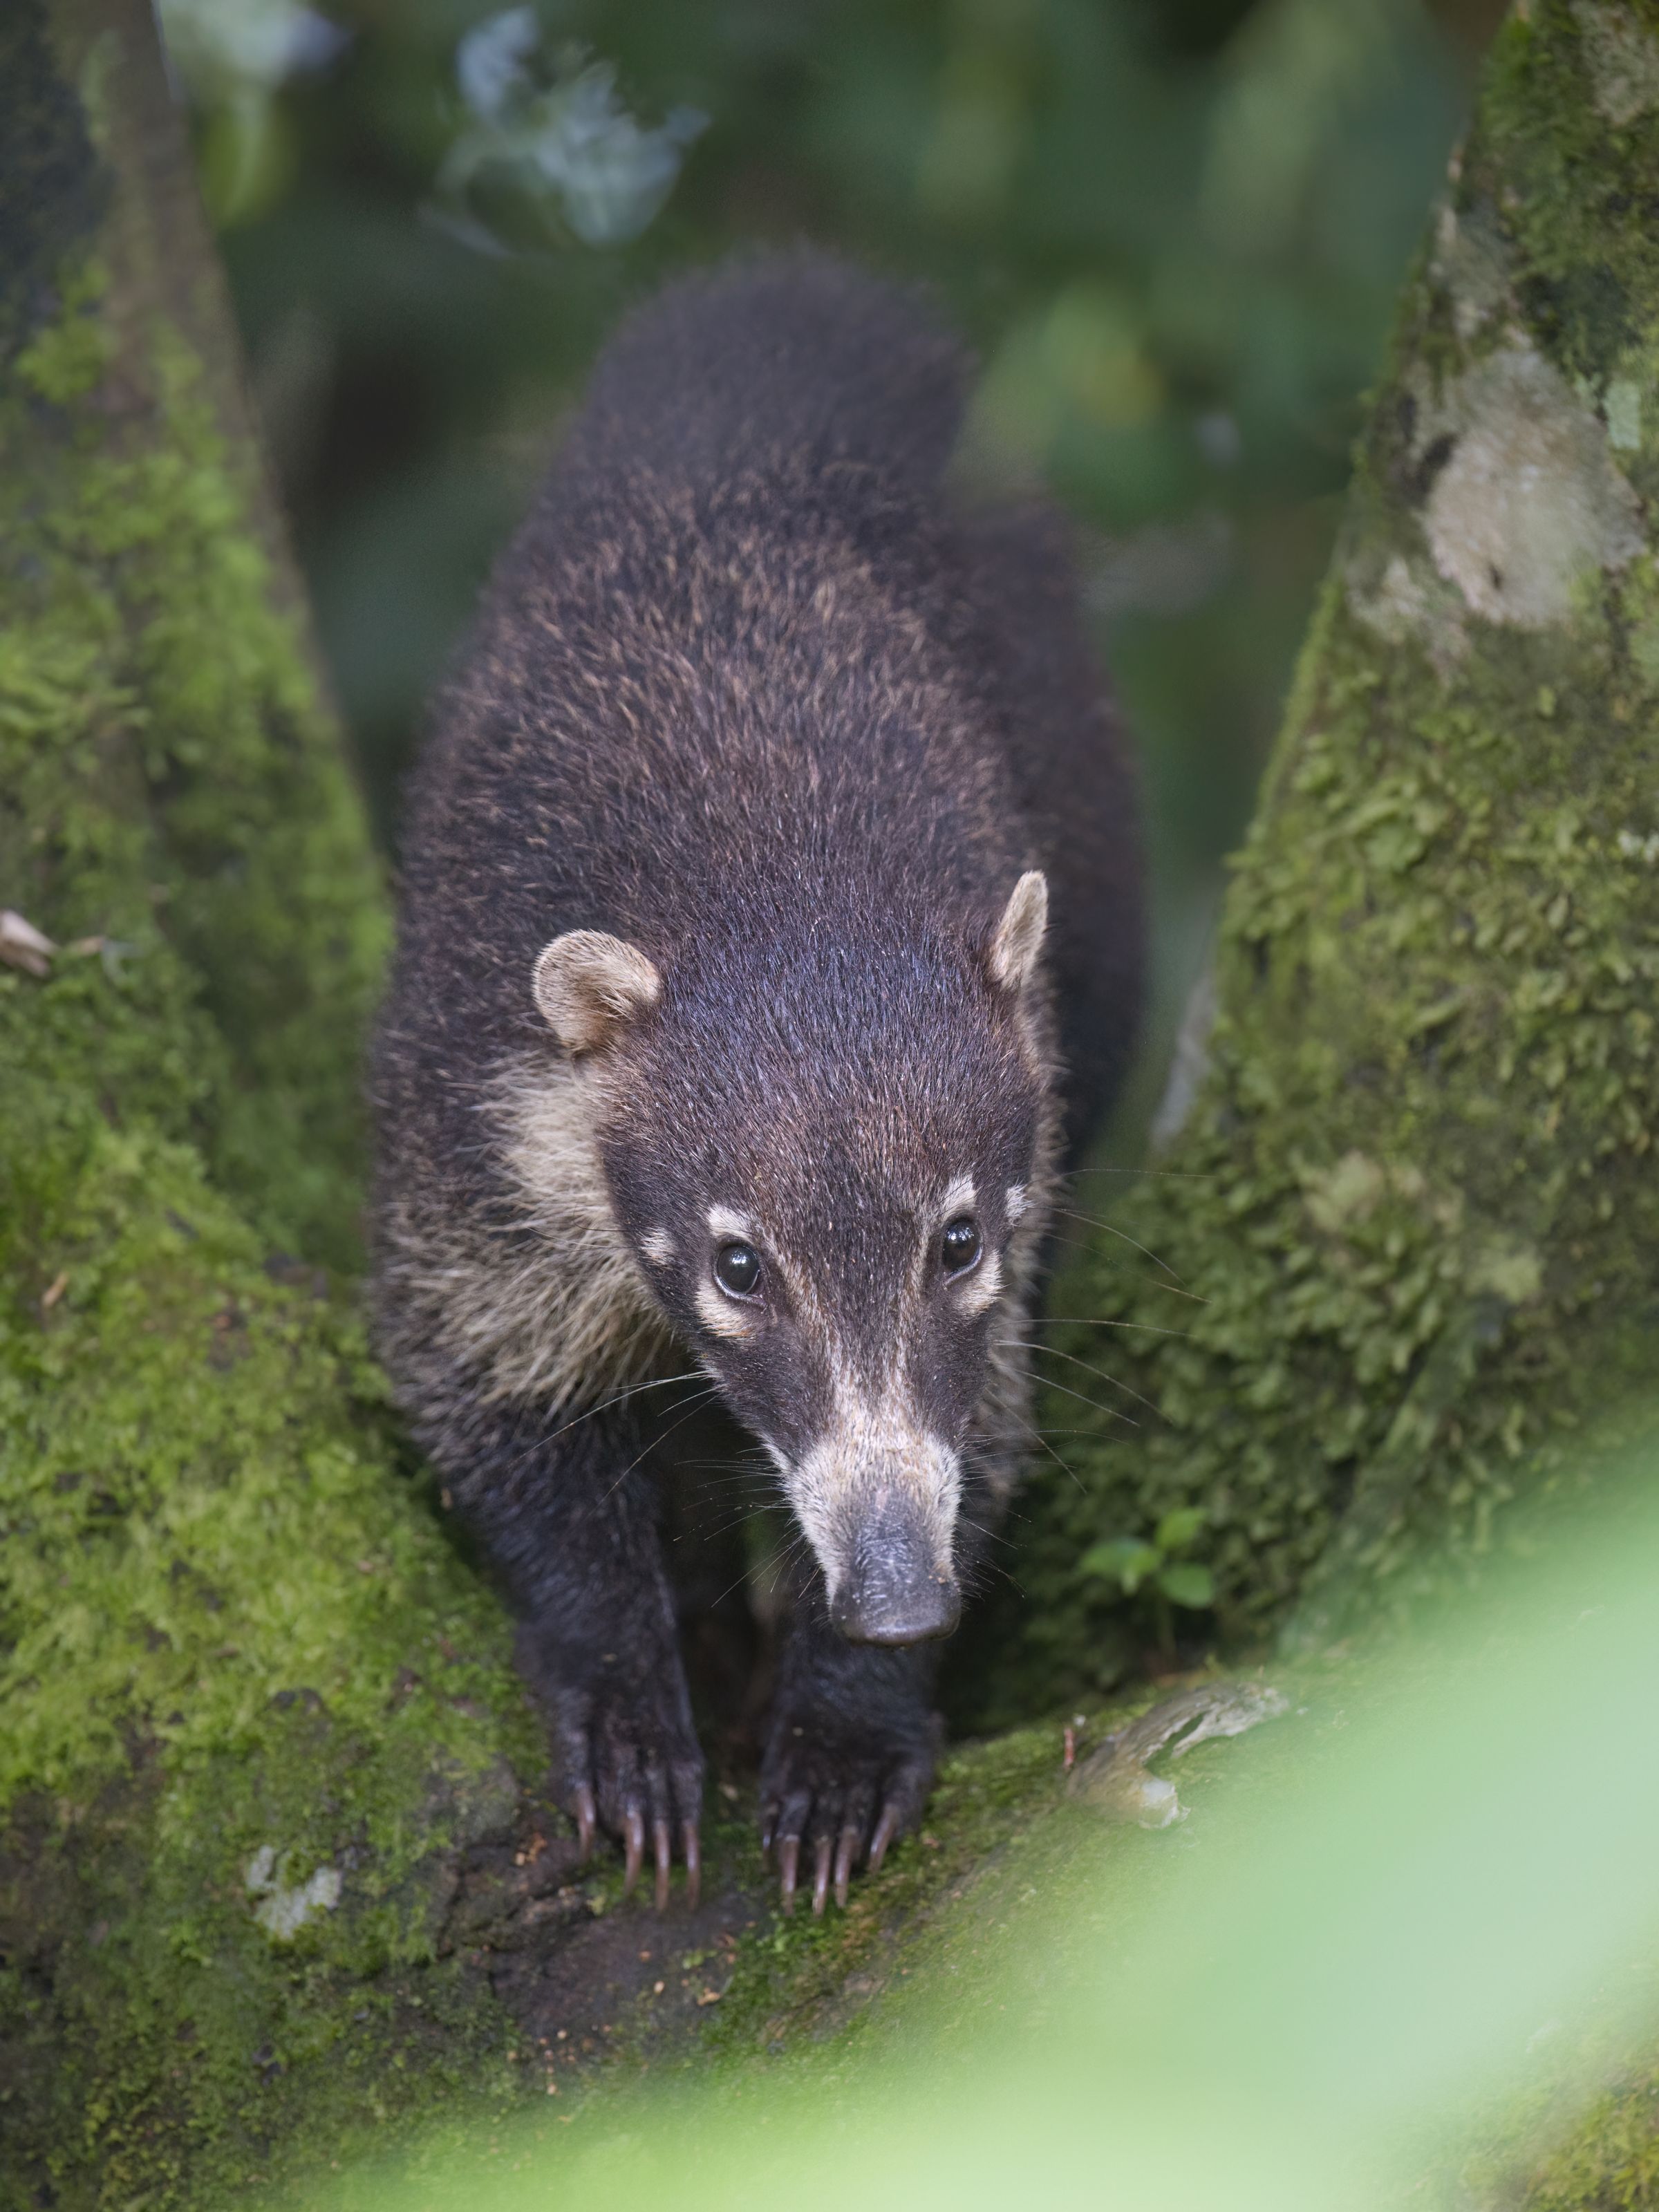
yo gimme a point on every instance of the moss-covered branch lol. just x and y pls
(1410, 1222)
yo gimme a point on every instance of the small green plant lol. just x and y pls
(1154, 1568)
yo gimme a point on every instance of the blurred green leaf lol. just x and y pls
(1123, 1559)
(1178, 1530)
(1183, 1583)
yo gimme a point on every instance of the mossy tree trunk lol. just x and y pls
(254, 1709)
(239, 1672)
(1408, 1226)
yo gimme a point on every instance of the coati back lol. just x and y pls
(771, 925)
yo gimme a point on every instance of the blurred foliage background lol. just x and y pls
(1173, 228)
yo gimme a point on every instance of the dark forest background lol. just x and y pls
(1173, 229)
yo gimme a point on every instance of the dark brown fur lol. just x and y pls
(749, 694)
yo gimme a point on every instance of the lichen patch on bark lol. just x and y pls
(1529, 501)
(1623, 53)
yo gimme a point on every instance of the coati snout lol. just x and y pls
(770, 937)
(825, 1203)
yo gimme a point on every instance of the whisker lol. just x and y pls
(991, 1536)
(541, 1440)
(1039, 1437)
(1099, 1320)
(1178, 1175)
(662, 1437)
(1014, 1344)
(730, 1468)
(730, 1587)
(659, 1383)
(1095, 1222)
(1083, 1399)
(1055, 1352)
(708, 1535)
(1075, 1241)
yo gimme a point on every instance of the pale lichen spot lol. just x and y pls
(283, 1908)
(1622, 55)
(1190, 1064)
(1407, 602)
(1529, 501)
(1471, 264)
(1623, 408)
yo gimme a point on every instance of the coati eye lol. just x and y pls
(959, 1245)
(737, 1268)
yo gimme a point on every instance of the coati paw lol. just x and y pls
(838, 1797)
(635, 1772)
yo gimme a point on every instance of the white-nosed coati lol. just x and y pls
(771, 926)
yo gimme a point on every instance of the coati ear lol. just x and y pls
(590, 985)
(1012, 954)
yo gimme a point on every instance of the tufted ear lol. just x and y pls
(1012, 954)
(590, 986)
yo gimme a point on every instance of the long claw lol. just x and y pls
(821, 1878)
(588, 1819)
(788, 1866)
(634, 1845)
(693, 1864)
(886, 1828)
(846, 1851)
(664, 1852)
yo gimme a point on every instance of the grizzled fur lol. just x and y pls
(719, 931)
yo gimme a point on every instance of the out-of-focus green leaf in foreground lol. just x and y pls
(1401, 1935)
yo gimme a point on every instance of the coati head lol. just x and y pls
(830, 1166)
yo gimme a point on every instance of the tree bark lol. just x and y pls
(1408, 1228)
(272, 1867)
(228, 1625)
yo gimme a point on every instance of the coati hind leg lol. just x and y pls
(566, 1511)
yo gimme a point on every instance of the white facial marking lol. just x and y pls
(658, 1247)
(982, 1287)
(726, 1221)
(865, 1457)
(874, 1444)
(959, 1196)
(720, 1315)
(1015, 1200)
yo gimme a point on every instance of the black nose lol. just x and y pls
(890, 1598)
(930, 1611)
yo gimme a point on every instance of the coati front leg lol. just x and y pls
(567, 1515)
(850, 1752)
(854, 1739)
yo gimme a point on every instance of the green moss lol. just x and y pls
(803, 1978)
(171, 784)
(1411, 1223)
(1611, 2162)
(228, 1624)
